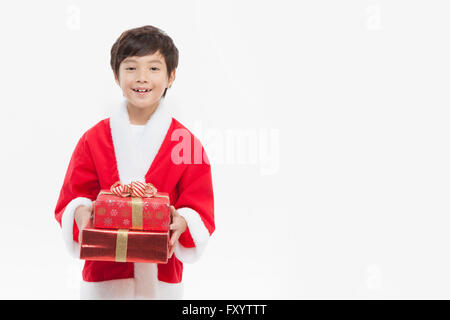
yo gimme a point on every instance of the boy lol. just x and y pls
(140, 143)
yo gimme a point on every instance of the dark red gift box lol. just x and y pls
(124, 245)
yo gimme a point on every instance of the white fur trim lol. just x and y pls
(170, 291)
(146, 279)
(134, 158)
(67, 221)
(122, 289)
(199, 234)
(147, 285)
(130, 289)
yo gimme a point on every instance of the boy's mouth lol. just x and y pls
(141, 90)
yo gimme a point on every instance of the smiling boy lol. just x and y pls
(137, 144)
(143, 99)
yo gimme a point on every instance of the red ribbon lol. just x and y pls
(134, 189)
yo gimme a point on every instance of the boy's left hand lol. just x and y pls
(178, 226)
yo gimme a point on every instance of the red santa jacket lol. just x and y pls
(169, 156)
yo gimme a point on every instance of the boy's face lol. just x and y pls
(147, 73)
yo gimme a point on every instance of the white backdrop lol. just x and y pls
(326, 123)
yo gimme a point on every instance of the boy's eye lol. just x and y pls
(131, 68)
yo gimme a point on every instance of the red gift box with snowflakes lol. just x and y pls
(112, 211)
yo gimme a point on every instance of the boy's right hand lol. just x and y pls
(82, 216)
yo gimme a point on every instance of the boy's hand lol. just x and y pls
(178, 226)
(82, 217)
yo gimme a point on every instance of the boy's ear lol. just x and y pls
(172, 77)
(116, 79)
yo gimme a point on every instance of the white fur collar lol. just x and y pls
(134, 158)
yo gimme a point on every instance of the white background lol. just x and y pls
(326, 122)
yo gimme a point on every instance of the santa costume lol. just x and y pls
(162, 152)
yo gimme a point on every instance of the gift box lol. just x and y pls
(136, 213)
(124, 245)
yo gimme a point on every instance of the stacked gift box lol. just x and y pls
(128, 228)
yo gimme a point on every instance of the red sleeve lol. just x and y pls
(81, 180)
(196, 192)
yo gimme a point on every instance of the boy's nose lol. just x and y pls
(142, 77)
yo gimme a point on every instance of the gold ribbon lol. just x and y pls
(137, 219)
(121, 245)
